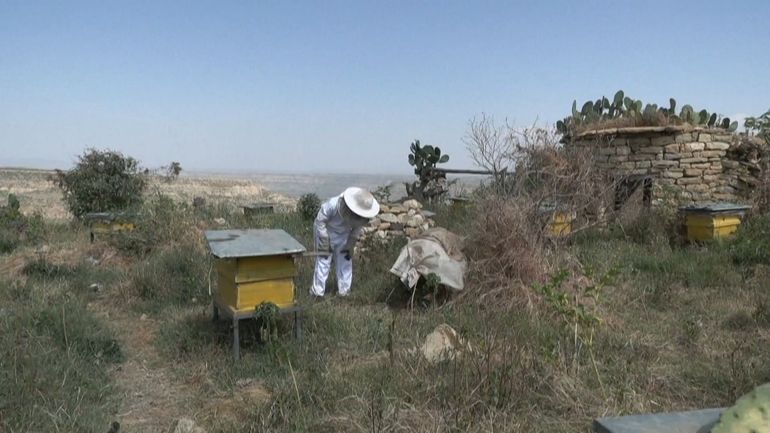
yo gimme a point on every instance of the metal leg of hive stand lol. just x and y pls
(297, 325)
(236, 340)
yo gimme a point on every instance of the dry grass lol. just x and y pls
(682, 328)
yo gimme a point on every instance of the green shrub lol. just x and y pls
(308, 206)
(751, 244)
(160, 222)
(54, 358)
(172, 276)
(15, 227)
(102, 181)
(72, 328)
(9, 240)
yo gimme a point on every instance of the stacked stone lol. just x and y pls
(690, 162)
(399, 219)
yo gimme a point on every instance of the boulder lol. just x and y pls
(412, 204)
(186, 425)
(444, 343)
(414, 221)
(388, 218)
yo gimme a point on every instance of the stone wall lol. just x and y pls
(398, 219)
(695, 164)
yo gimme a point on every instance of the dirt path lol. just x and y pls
(151, 397)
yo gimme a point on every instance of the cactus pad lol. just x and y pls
(750, 414)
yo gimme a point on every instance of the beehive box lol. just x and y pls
(251, 210)
(711, 221)
(459, 204)
(559, 220)
(108, 222)
(254, 266)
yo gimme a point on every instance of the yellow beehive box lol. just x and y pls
(712, 220)
(244, 283)
(107, 223)
(102, 227)
(560, 224)
(254, 266)
(558, 220)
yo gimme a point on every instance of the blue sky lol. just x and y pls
(344, 86)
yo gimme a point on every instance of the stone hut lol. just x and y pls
(695, 164)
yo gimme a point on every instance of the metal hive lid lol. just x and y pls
(715, 207)
(251, 243)
(697, 421)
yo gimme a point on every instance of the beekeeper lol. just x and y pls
(337, 227)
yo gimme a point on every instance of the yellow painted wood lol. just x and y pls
(111, 227)
(704, 227)
(265, 268)
(227, 293)
(279, 292)
(560, 224)
(246, 282)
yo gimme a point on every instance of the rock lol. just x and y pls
(663, 141)
(374, 222)
(143, 317)
(388, 218)
(96, 287)
(382, 234)
(623, 150)
(220, 221)
(397, 208)
(252, 392)
(415, 221)
(442, 344)
(91, 260)
(384, 208)
(693, 147)
(717, 146)
(186, 425)
(383, 226)
(411, 212)
(412, 204)
(411, 232)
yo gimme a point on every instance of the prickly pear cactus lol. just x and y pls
(750, 414)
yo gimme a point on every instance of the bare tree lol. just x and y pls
(489, 144)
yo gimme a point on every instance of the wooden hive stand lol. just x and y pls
(254, 266)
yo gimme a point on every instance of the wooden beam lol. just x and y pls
(462, 171)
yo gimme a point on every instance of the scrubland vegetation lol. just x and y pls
(620, 317)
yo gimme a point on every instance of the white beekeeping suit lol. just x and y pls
(337, 227)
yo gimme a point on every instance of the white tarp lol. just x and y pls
(436, 251)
